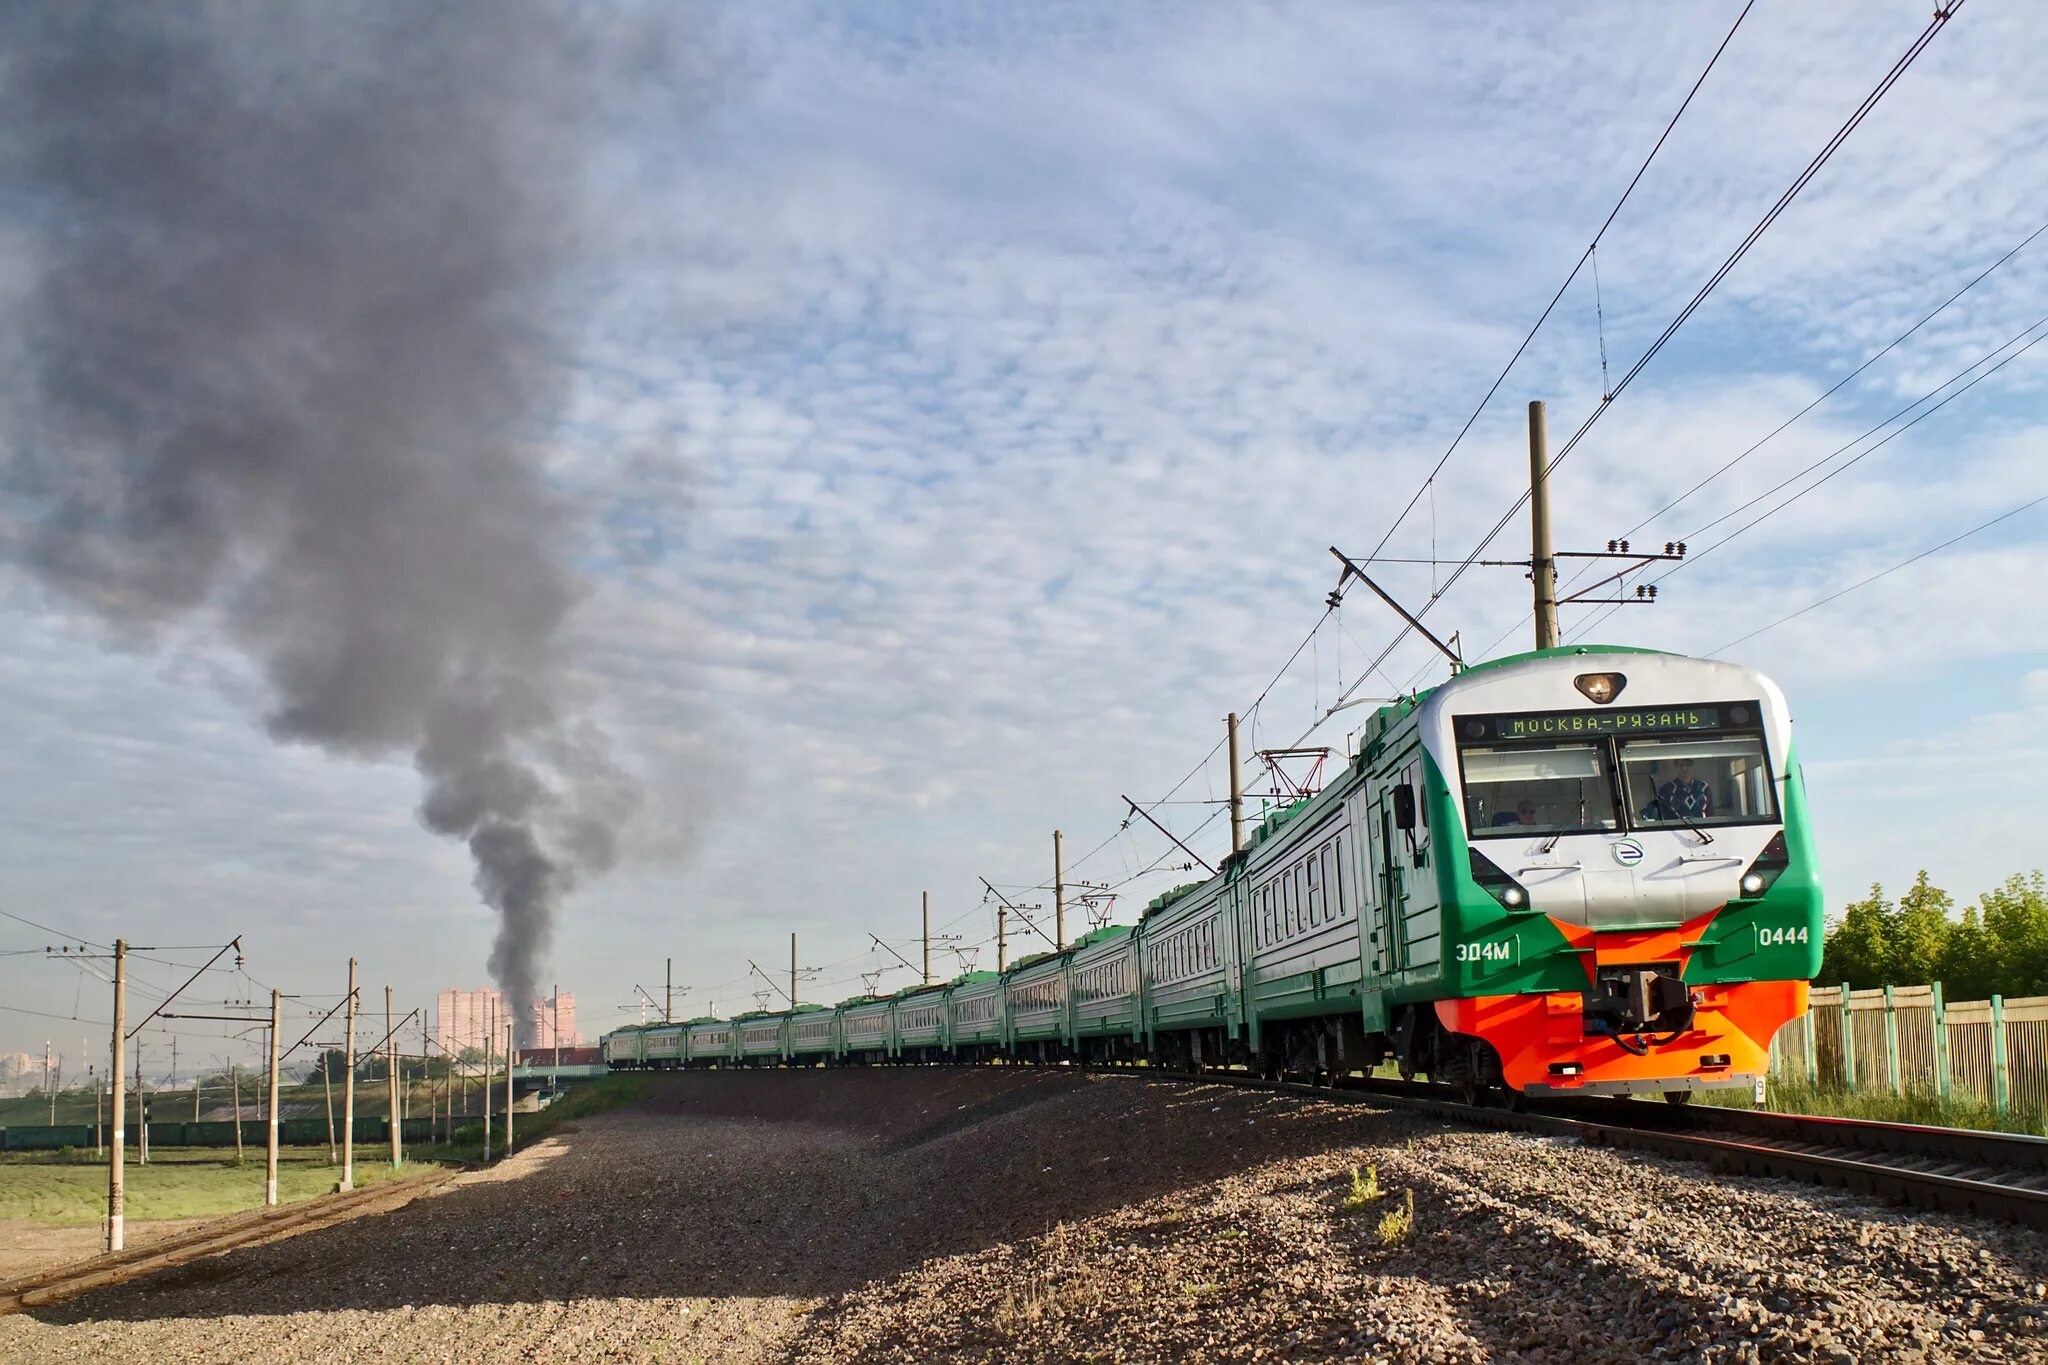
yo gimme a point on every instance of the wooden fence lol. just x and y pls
(1899, 1038)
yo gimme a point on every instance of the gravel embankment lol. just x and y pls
(1016, 1215)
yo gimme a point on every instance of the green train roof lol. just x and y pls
(1095, 936)
(973, 978)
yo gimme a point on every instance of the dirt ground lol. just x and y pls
(1004, 1215)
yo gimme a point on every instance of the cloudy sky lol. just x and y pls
(962, 401)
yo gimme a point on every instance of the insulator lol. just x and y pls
(1610, 547)
(1624, 547)
(1681, 549)
(1667, 547)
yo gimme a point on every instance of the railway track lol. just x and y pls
(2001, 1176)
(41, 1288)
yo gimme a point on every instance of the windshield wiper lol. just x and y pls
(1705, 838)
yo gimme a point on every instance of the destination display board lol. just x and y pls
(1618, 720)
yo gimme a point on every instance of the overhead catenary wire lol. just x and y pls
(1885, 573)
(1548, 308)
(1742, 248)
(1918, 418)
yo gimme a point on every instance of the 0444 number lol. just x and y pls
(1769, 938)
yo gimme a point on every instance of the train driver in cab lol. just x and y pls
(1684, 797)
(1524, 814)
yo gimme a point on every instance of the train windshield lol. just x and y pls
(1537, 789)
(1696, 780)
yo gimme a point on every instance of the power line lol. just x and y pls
(1577, 266)
(1771, 215)
(1866, 582)
(68, 938)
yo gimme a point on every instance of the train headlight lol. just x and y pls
(1600, 688)
(1768, 867)
(1497, 883)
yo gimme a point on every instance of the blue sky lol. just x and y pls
(967, 406)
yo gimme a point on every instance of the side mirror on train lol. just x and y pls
(1404, 807)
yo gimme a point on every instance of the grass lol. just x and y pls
(69, 1189)
(1396, 1224)
(175, 1106)
(1365, 1189)
(1914, 1106)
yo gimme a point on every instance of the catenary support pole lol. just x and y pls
(1542, 563)
(327, 1085)
(1002, 938)
(1059, 896)
(1941, 1062)
(235, 1079)
(792, 970)
(270, 1141)
(119, 1097)
(1236, 790)
(490, 1034)
(141, 1108)
(927, 938)
(50, 1090)
(348, 1089)
(391, 1083)
(511, 1056)
(668, 994)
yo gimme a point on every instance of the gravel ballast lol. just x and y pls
(1022, 1215)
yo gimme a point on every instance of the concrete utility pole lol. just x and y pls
(120, 1098)
(197, 1072)
(50, 1091)
(391, 1081)
(235, 1079)
(327, 1084)
(1542, 563)
(927, 938)
(426, 1075)
(792, 971)
(1059, 897)
(141, 1107)
(511, 1053)
(557, 1029)
(1236, 791)
(348, 1089)
(490, 1033)
(1002, 938)
(668, 995)
(270, 1147)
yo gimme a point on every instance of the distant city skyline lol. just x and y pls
(462, 1015)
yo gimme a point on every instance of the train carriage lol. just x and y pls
(661, 1046)
(1295, 893)
(813, 1034)
(1102, 995)
(974, 1013)
(919, 1017)
(864, 1030)
(761, 1037)
(709, 1042)
(1035, 1003)
(1188, 951)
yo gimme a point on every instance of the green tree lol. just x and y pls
(2016, 922)
(333, 1061)
(1968, 969)
(1859, 949)
(1916, 934)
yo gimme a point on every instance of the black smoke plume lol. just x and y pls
(281, 367)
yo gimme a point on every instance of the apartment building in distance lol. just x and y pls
(462, 1016)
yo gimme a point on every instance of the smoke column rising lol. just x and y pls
(279, 369)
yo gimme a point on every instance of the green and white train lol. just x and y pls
(1576, 870)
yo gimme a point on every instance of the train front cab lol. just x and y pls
(1630, 903)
